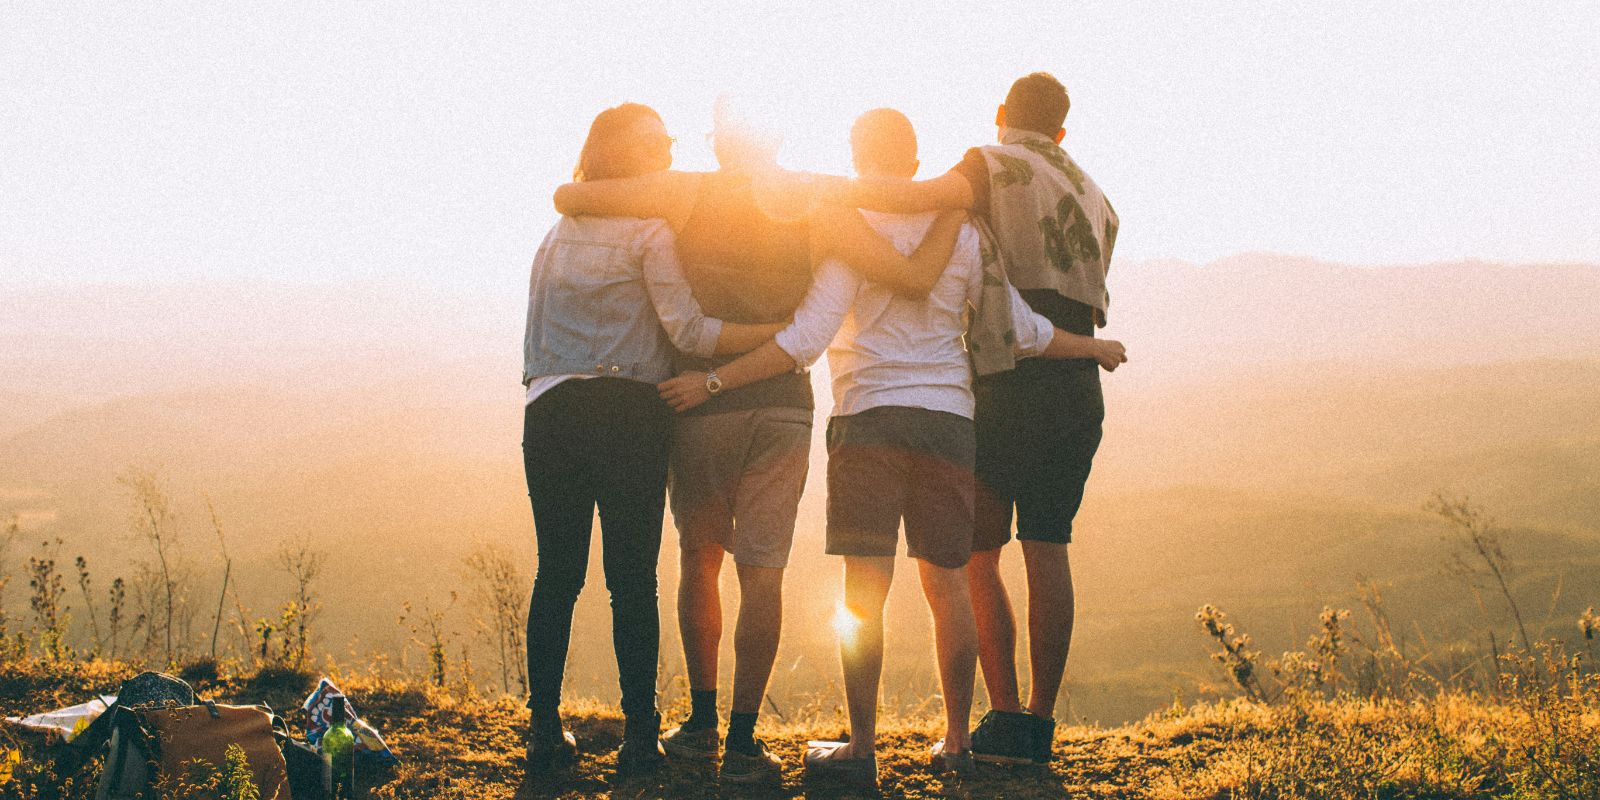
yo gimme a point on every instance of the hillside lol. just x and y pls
(1444, 748)
(382, 425)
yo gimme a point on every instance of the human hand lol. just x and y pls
(684, 391)
(1110, 354)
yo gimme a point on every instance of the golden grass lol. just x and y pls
(1530, 745)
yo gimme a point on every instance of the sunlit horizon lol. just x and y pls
(346, 144)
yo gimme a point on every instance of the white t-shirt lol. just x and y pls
(887, 350)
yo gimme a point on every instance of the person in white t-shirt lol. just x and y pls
(901, 445)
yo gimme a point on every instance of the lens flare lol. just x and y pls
(846, 624)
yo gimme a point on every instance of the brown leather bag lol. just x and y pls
(177, 735)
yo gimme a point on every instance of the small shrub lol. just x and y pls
(49, 614)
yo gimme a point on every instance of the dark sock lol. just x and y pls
(643, 727)
(702, 710)
(741, 732)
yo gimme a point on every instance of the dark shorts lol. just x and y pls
(894, 462)
(1038, 429)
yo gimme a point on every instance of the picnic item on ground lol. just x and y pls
(64, 724)
(369, 746)
(157, 745)
(146, 688)
(338, 743)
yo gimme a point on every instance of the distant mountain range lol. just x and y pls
(1275, 436)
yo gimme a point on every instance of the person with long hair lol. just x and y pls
(748, 240)
(608, 307)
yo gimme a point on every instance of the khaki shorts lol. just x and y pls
(735, 481)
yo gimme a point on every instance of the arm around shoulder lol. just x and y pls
(842, 233)
(949, 191)
(668, 195)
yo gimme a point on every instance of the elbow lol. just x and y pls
(692, 346)
(916, 288)
(563, 200)
(700, 344)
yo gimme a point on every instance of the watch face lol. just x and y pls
(713, 384)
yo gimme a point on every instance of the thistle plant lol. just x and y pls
(153, 521)
(1480, 556)
(303, 564)
(49, 613)
(1237, 656)
(118, 611)
(1589, 626)
(84, 581)
(12, 528)
(498, 591)
(428, 630)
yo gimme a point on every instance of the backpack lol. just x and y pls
(146, 688)
(153, 746)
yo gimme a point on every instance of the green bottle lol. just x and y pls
(339, 747)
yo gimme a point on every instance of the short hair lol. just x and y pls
(884, 138)
(608, 149)
(1038, 103)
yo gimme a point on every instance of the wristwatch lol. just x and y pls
(713, 383)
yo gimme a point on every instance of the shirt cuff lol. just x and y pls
(1043, 331)
(710, 333)
(790, 341)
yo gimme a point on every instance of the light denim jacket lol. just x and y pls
(607, 297)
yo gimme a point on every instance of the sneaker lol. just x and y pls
(825, 763)
(1044, 738)
(640, 756)
(1006, 737)
(641, 746)
(692, 745)
(959, 762)
(746, 768)
(549, 752)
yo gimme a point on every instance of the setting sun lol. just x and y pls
(569, 383)
(846, 624)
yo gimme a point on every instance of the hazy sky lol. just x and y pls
(312, 142)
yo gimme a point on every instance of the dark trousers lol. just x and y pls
(586, 443)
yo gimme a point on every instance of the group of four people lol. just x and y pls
(671, 318)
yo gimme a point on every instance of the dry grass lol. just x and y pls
(1543, 742)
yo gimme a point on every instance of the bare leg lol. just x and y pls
(997, 630)
(866, 587)
(755, 637)
(700, 613)
(1050, 616)
(956, 635)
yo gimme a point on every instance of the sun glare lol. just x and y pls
(846, 624)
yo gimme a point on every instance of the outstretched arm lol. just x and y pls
(816, 322)
(950, 191)
(681, 315)
(1108, 353)
(1035, 336)
(668, 195)
(689, 389)
(844, 234)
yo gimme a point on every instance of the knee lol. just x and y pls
(633, 588)
(1046, 560)
(556, 586)
(984, 565)
(760, 582)
(700, 565)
